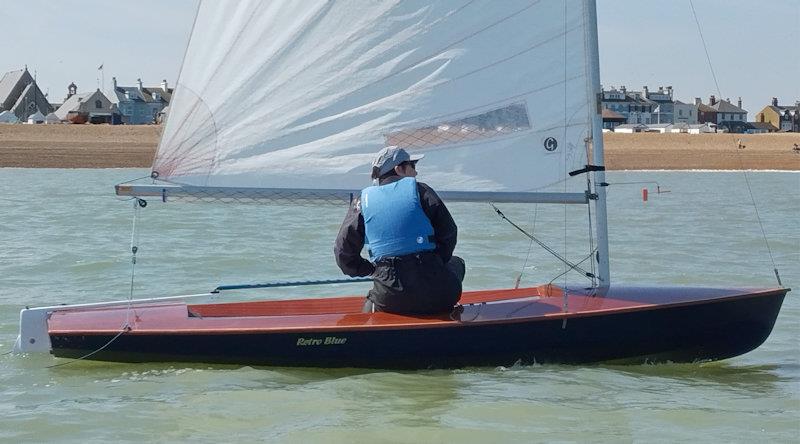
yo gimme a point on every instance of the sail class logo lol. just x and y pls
(550, 144)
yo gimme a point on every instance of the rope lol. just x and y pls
(288, 284)
(530, 247)
(738, 153)
(125, 329)
(543, 245)
(578, 263)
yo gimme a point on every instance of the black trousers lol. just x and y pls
(416, 284)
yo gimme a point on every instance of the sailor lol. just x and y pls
(410, 235)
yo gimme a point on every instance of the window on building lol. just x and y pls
(680, 112)
(98, 104)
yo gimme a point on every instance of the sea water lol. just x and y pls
(67, 239)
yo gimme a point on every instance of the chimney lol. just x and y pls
(669, 91)
(644, 89)
(114, 83)
(697, 101)
(622, 89)
(661, 90)
(164, 85)
(139, 81)
(739, 103)
(712, 100)
(774, 101)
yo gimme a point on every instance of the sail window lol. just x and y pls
(495, 123)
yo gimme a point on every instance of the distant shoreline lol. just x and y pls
(129, 146)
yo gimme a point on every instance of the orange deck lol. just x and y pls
(336, 314)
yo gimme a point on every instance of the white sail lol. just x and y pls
(300, 95)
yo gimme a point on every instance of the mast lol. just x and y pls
(595, 114)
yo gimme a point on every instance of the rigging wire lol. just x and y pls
(126, 326)
(137, 203)
(577, 263)
(739, 156)
(530, 247)
(545, 246)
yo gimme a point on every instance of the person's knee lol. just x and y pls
(458, 267)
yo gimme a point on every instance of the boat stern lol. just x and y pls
(33, 336)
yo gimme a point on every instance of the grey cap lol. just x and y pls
(391, 156)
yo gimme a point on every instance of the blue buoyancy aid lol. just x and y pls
(394, 221)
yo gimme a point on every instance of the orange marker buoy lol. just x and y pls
(644, 194)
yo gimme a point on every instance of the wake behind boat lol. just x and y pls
(287, 102)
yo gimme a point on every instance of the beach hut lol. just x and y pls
(36, 117)
(659, 128)
(630, 128)
(702, 128)
(51, 119)
(681, 127)
(8, 117)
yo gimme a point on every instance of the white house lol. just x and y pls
(86, 107)
(685, 112)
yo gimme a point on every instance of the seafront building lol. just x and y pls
(20, 95)
(139, 104)
(633, 105)
(684, 113)
(781, 117)
(729, 116)
(93, 107)
(623, 110)
(628, 111)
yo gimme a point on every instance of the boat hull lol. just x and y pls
(501, 332)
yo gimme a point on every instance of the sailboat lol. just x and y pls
(288, 102)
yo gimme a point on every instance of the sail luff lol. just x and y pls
(598, 156)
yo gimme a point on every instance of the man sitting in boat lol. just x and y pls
(411, 237)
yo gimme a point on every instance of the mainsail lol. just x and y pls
(301, 95)
(291, 100)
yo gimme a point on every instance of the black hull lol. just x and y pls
(713, 330)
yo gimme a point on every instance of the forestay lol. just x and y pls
(300, 95)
